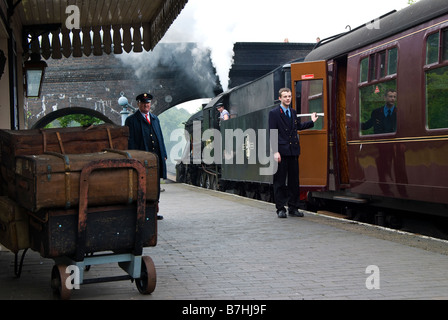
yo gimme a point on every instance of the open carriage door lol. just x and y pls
(310, 95)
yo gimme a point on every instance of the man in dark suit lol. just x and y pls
(284, 119)
(384, 119)
(145, 133)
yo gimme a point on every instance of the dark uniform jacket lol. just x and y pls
(381, 123)
(146, 137)
(288, 140)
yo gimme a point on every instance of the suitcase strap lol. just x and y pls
(111, 144)
(66, 160)
(61, 144)
(109, 136)
(130, 175)
(44, 141)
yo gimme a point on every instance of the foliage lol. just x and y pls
(74, 120)
(436, 98)
(171, 120)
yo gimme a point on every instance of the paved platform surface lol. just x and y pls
(215, 246)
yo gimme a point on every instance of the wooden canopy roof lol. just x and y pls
(106, 26)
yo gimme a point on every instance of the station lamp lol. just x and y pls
(124, 103)
(34, 70)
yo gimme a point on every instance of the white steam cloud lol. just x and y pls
(218, 24)
(196, 24)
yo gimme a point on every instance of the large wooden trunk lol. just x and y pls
(62, 140)
(91, 139)
(54, 233)
(53, 180)
(13, 225)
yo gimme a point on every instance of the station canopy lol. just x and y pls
(105, 26)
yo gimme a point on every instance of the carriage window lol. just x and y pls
(436, 97)
(436, 80)
(364, 70)
(377, 92)
(432, 49)
(382, 64)
(378, 65)
(378, 108)
(392, 61)
(372, 67)
(445, 45)
(309, 99)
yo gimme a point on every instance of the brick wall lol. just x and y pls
(173, 73)
(96, 82)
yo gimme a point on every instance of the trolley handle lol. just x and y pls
(83, 199)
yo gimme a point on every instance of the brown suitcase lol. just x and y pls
(62, 140)
(53, 180)
(53, 233)
(14, 225)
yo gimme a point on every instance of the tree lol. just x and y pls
(171, 120)
(74, 120)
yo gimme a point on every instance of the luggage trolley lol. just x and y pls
(68, 272)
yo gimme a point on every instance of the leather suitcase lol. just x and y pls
(53, 233)
(91, 139)
(53, 180)
(62, 140)
(14, 224)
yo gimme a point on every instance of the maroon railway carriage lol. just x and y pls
(347, 77)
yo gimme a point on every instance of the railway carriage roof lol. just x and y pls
(390, 24)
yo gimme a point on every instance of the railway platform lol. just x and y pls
(217, 246)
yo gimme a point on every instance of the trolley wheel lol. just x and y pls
(148, 279)
(58, 282)
(207, 183)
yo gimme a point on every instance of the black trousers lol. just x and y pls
(286, 183)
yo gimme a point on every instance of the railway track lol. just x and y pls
(435, 227)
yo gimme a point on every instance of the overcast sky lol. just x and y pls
(273, 21)
(218, 24)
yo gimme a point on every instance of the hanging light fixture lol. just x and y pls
(34, 70)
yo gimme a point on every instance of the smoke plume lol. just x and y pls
(188, 64)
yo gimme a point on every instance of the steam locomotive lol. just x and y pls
(344, 78)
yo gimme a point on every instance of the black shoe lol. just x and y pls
(295, 213)
(159, 217)
(281, 213)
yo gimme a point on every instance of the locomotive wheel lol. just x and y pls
(208, 181)
(148, 278)
(202, 179)
(58, 282)
(213, 183)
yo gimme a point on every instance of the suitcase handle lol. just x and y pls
(83, 200)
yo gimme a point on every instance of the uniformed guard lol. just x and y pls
(145, 132)
(284, 119)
